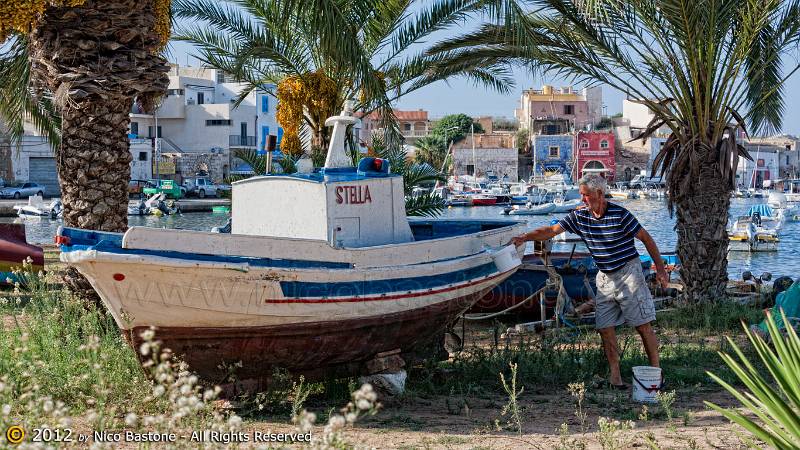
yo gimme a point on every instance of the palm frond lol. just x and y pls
(430, 205)
(18, 100)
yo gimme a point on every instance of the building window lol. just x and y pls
(406, 127)
(175, 92)
(200, 98)
(264, 134)
(584, 143)
(569, 110)
(265, 104)
(553, 151)
(604, 144)
(217, 123)
(142, 156)
(470, 169)
(135, 128)
(150, 132)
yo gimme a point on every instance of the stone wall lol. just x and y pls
(502, 161)
(217, 165)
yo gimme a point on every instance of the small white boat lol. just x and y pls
(757, 231)
(530, 210)
(621, 194)
(566, 205)
(37, 208)
(156, 205)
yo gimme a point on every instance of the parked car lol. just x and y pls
(203, 186)
(135, 187)
(19, 189)
(168, 187)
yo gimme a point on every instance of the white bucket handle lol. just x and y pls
(650, 390)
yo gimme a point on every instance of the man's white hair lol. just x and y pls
(594, 182)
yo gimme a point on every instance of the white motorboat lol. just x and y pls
(757, 231)
(37, 208)
(322, 274)
(530, 210)
(156, 205)
(566, 205)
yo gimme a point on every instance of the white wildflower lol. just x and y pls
(235, 422)
(6, 410)
(131, 420)
(144, 349)
(363, 404)
(158, 391)
(148, 334)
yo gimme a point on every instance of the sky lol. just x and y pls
(459, 95)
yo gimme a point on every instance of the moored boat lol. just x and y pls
(483, 200)
(329, 278)
(530, 210)
(37, 208)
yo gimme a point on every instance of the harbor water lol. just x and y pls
(652, 214)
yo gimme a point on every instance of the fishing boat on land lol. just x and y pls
(15, 249)
(326, 281)
(577, 271)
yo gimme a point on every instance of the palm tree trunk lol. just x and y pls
(701, 225)
(97, 59)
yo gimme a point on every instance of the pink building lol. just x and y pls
(594, 154)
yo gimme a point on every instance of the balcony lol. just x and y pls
(235, 140)
(415, 133)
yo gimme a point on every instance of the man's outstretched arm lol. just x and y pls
(539, 234)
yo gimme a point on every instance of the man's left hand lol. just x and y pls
(662, 277)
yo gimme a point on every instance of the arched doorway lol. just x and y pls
(594, 168)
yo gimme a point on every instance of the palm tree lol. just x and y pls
(430, 150)
(93, 60)
(703, 68)
(321, 53)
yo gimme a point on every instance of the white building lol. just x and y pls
(33, 160)
(199, 115)
(266, 106)
(761, 171)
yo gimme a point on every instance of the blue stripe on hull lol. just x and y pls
(301, 289)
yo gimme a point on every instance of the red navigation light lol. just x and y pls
(119, 276)
(378, 163)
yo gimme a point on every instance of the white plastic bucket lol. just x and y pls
(646, 383)
(506, 258)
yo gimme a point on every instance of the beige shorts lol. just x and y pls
(623, 297)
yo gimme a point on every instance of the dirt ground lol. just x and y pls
(445, 423)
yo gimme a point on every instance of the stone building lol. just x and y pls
(494, 154)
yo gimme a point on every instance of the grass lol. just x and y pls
(57, 348)
(690, 339)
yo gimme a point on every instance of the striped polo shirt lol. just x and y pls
(609, 238)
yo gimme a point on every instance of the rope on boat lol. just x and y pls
(560, 299)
